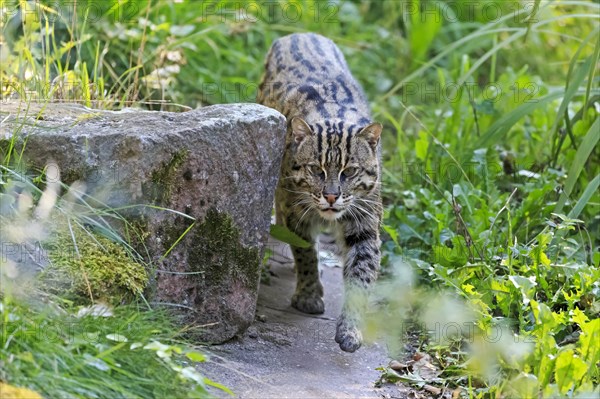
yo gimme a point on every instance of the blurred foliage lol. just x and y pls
(51, 346)
(97, 352)
(490, 175)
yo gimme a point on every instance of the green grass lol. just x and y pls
(127, 353)
(491, 166)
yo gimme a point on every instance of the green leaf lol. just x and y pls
(196, 356)
(393, 233)
(421, 146)
(588, 341)
(543, 317)
(525, 285)
(537, 254)
(579, 317)
(573, 83)
(525, 385)
(585, 149)
(590, 190)
(522, 282)
(289, 237)
(423, 30)
(531, 17)
(569, 370)
(390, 375)
(214, 384)
(450, 257)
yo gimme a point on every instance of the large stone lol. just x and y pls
(215, 168)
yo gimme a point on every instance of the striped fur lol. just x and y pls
(330, 176)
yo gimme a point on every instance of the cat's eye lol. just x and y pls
(316, 170)
(350, 171)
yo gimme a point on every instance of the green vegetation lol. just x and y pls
(491, 168)
(163, 179)
(97, 352)
(87, 267)
(219, 250)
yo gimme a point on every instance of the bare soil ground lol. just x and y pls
(289, 354)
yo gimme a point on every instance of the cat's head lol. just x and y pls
(335, 168)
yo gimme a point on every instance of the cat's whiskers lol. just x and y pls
(301, 203)
(363, 211)
(373, 205)
(308, 208)
(353, 214)
(296, 192)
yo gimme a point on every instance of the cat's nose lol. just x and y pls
(331, 198)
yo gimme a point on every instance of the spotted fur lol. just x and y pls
(330, 176)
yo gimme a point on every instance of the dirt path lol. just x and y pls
(288, 354)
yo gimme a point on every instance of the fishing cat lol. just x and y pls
(330, 175)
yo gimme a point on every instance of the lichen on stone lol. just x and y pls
(219, 252)
(91, 266)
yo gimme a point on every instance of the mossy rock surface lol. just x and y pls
(212, 170)
(86, 267)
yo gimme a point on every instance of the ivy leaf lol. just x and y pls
(289, 237)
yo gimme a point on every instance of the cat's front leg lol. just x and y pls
(308, 297)
(361, 264)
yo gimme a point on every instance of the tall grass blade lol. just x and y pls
(499, 129)
(590, 190)
(592, 72)
(585, 149)
(571, 88)
(530, 19)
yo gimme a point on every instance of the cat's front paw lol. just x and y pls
(308, 303)
(348, 335)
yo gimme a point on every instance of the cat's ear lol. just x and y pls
(371, 133)
(300, 129)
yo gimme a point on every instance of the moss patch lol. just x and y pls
(219, 255)
(102, 267)
(163, 179)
